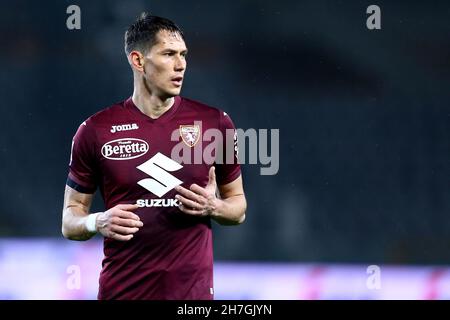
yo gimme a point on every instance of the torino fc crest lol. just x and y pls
(190, 134)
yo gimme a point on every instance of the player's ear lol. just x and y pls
(136, 60)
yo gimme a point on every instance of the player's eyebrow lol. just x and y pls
(168, 50)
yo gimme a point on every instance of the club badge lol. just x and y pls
(190, 134)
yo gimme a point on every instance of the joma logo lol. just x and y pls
(124, 127)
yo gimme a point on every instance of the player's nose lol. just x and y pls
(180, 64)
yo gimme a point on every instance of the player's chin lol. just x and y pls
(175, 89)
(170, 93)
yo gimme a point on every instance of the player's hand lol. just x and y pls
(119, 222)
(199, 201)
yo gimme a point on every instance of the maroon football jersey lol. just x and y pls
(133, 158)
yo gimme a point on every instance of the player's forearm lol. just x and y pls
(74, 224)
(230, 211)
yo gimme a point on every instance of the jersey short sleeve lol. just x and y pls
(230, 169)
(82, 167)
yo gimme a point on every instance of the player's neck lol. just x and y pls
(151, 105)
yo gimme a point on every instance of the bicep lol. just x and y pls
(74, 198)
(234, 188)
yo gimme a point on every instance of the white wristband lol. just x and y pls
(91, 222)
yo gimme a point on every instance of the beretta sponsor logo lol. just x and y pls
(124, 149)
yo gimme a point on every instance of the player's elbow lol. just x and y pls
(64, 229)
(230, 221)
(72, 236)
(241, 219)
(244, 210)
(66, 232)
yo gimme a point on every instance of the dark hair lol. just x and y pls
(141, 35)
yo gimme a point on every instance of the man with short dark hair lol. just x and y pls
(142, 155)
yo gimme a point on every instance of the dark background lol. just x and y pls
(363, 117)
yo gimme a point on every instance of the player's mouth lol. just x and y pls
(177, 81)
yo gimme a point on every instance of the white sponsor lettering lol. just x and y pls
(157, 203)
(124, 127)
(124, 149)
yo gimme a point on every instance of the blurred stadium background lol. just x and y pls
(364, 140)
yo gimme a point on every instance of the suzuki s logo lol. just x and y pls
(124, 149)
(162, 181)
(124, 127)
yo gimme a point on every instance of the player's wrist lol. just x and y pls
(91, 222)
(215, 209)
